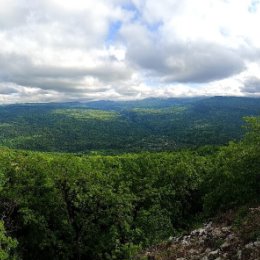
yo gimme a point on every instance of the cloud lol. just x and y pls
(62, 50)
(252, 85)
(7, 90)
(190, 62)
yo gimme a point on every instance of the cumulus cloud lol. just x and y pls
(63, 50)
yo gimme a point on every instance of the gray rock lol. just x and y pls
(185, 242)
(257, 243)
(208, 250)
(213, 254)
(225, 245)
(239, 254)
(249, 245)
(231, 237)
(198, 232)
(217, 232)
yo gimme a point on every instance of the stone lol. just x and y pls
(217, 232)
(249, 245)
(231, 237)
(239, 254)
(198, 232)
(225, 229)
(193, 251)
(208, 250)
(225, 245)
(185, 243)
(213, 254)
(257, 243)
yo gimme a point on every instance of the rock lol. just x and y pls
(211, 242)
(249, 245)
(185, 242)
(257, 243)
(225, 245)
(239, 254)
(201, 241)
(208, 226)
(198, 232)
(213, 254)
(193, 251)
(225, 255)
(231, 237)
(177, 239)
(226, 229)
(217, 233)
(254, 209)
(207, 250)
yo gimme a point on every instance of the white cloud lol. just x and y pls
(61, 50)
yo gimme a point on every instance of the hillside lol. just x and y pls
(130, 126)
(65, 207)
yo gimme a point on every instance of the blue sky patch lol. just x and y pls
(113, 31)
(132, 8)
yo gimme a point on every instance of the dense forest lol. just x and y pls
(92, 206)
(108, 127)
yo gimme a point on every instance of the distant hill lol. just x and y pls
(125, 126)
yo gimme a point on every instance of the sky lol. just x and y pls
(79, 50)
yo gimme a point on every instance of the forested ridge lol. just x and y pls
(108, 127)
(65, 206)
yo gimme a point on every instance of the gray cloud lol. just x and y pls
(7, 90)
(203, 62)
(251, 85)
(20, 70)
(194, 62)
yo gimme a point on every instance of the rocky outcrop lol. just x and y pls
(214, 241)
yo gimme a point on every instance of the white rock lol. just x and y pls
(249, 246)
(225, 229)
(207, 250)
(225, 245)
(213, 254)
(257, 243)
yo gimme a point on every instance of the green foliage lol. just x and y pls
(84, 114)
(64, 206)
(253, 131)
(116, 127)
(234, 178)
(69, 207)
(7, 245)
